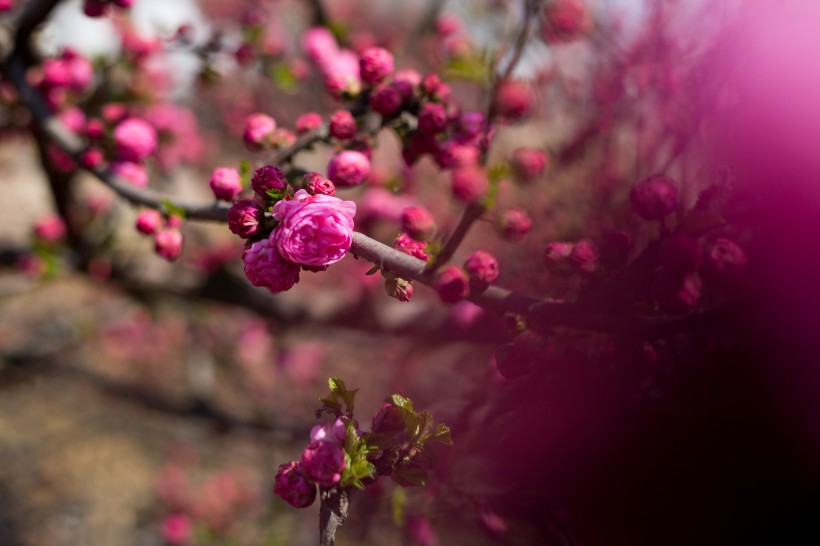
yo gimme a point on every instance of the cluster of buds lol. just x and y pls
(401, 445)
(165, 231)
(286, 231)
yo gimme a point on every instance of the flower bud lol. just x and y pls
(148, 221)
(268, 178)
(308, 122)
(529, 163)
(293, 486)
(654, 197)
(168, 243)
(386, 100)
(342, 125)
(258, 131)
(513, 100)
(95, 8)
(398, 288)
(348, 168)
(406, 82)
(388, 420)
(244, 218)
(406, 244)
(131, 172)
(470, 184)
(316, 184)
(556, 258)
(451, 284)
(584, 257)
(226, 183)
(724, 260)
(375, 65)
(135, 140)
(678, 293)
(418, 223)
(331, 431)
(50, 228)
(265, 267)
(432, 118)
(482, 267)
(514, 224)
(177, 529)
(323, 462)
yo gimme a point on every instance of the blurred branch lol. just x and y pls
(320, 18)
(335, 502)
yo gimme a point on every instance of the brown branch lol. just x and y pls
(334, 505)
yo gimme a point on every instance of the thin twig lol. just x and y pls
(334, 505)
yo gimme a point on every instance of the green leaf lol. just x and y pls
(170, 209)
(245, 173)
(472, 68)
(275, 195)
(441, 434)
(373, 270)
(283, 77)
(401, 401)
(398, 501)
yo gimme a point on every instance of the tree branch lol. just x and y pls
(334, 504)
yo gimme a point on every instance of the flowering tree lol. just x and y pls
(579, 220)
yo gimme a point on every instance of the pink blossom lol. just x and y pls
(135, 139)
(50, 228)
(6, 5)
(168, 243)
(244, 218)
(406, 82)
(724, 260)
(323, 462)
(319, 44)
(134, 173)
(56, 73)
(514, 100)
(342, 124)
(418, 223)
(514, 224)
(556, 257)
(655, 197)
(584, 257)
(308, 122)
(177, 529)
(482, 267)
(432, 118)
(292, 485)
(226, 183)
(529, 163)
(406, 244)
(386, 99)
(148, 221)
(315, 183)
(565, 20)
(258, 130)
(451, 284)
(398, 288)
(313, 230)
(375, 65)
(348, 168)
(264, 266)
(91, 158)
(332, 431)
(73, 118)
(470, 184)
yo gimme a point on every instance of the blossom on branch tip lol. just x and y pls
(226, 183)
(268, 178)
(265, 267)
(514, 224)
(482, 267)
(293, 486)
(168, 243)
(418, 223)
(342, 125)
(405, 243)
(314, 230)
(451, 284)
(348, 168)
(323, 462)
(316, 184)
(148, 221)
(244, 218)
(375, 64)
(258, 131)
(654, 197)
(135, 139)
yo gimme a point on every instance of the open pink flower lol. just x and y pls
(313, 229)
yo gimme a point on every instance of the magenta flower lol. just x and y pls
(470, 184)
(264, 266)
(406, 244)
(654, 197)
(168, 243)
(323, 462)
(293, 486)
(342, 124)
(135, 139)
(529, 163)
(348, 168)
(177, 529)
(226, 183)
(335, 431)
(514, 224)
(375, 64)
(418, 223)
(313, 229)
(315, 184)
(268, 178)
(482, 267)
(432, 118)
(308, 122)
(244, 218)
(451, 284)
(134, 173)
(148, 221)
(258, 130)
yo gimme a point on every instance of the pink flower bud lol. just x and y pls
(114, 112)
(556, 258)
(56, 73)
(308, 122)
(432, 118)
(375, 65)
(348, 168)
(319, 44)
(681, 254)
(406, 82)
(316, 184)
(514, 224)
(265, 267)
(406, 244)
(398, 288)
(226, 183)
(724, 260)
(565, 20)
(244, 218)
(470, 184)
(80, 69)
(73, 118)
(331, 431)
(135, 140)
(388, 420)
(168, 243)
(94, 129)
(514, 100)
(91, 158)
(123, 3)
(133, 173)
(177, 529)
(148, 221)
(258, 131)
(451, 284)
(449, 154)
(482, 267)
(529, 163)
(323, 462)
(6, 5)
(268, 178)
(654, 197)
(448, 24)
(342, 124)
(678, 293)
(584, 257)
(293, 486)
(386, 99)
(50, 228)
(418, 223)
